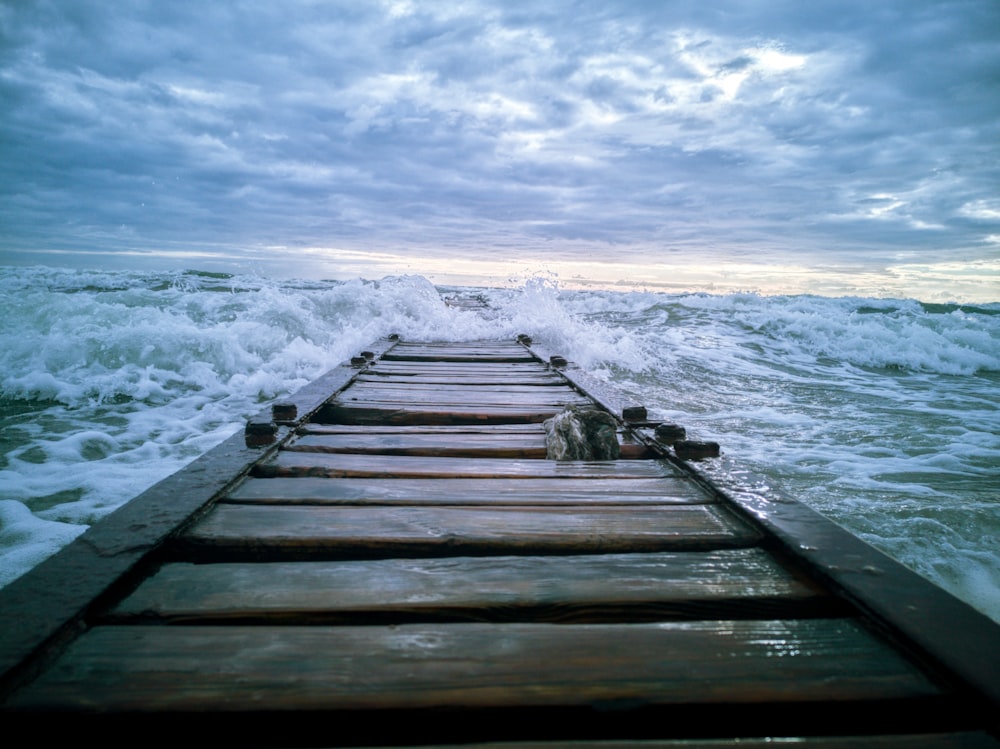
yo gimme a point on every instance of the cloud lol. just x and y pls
(574, 128)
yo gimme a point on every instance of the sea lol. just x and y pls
(881, 413)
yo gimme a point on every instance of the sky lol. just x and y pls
(823, 146)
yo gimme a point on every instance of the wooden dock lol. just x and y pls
(390, 559)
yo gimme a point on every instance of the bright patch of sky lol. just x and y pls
(568, 134)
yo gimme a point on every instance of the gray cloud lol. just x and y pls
(631, 128)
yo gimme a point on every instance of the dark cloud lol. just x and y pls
(855, 127)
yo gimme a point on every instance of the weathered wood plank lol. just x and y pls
(959, 740)
(444, 347)
(430, 415)
(467, 445)
(740, 583)
(513, 446)
(459, 355)
(502, 385)
(468, 376)
(532, 365)
(152, 669)
(402, 354)
(291, 463)
(494, 429)
(444, 397)
(384, 530)
(520, 491)
(526, 374)
(461, 392)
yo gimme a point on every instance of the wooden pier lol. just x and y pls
(390, 559)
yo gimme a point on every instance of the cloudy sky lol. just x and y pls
(615, 140)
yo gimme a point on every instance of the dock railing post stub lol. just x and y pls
(632, 414)
(668, 434)
(696, 449)
(259, 433)
(284, 412)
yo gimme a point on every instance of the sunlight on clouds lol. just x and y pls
(553, 146)
(884, 204)
(773, 59)
(527, 43)
(592, 114)
(374, 100)
(723, 64)
(523, 144)
(196, 95)
(987, 210)
(631, 71)
(494, 105)
(398, 8)
(972, 281)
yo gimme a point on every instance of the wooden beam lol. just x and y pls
(738, 583)
(451, 492)
(422, 530)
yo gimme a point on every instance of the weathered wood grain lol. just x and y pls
(431, 445)
(739, 583)
(955, 740)
(518, 491)
(469, 376)
(423, 530)
(401, 353)
(514, 446)
(512, 391)
(415, 414)
(501, 430)
(150, 669)
(531, 366)
(460, 395)
(291, 463)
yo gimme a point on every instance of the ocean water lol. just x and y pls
(882, 414)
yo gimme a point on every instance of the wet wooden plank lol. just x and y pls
(529, 362)
(515, 446)
(433, 445)
(529, 370)
(520, 491)
(443, 397)
(950, 740)
(466, 375)
(509, 392)
(152, 669)
(480, 346)
(501, 430)
(413, 414)
(414, 353)
(425, 530)
(290, 463)
(740, 583)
